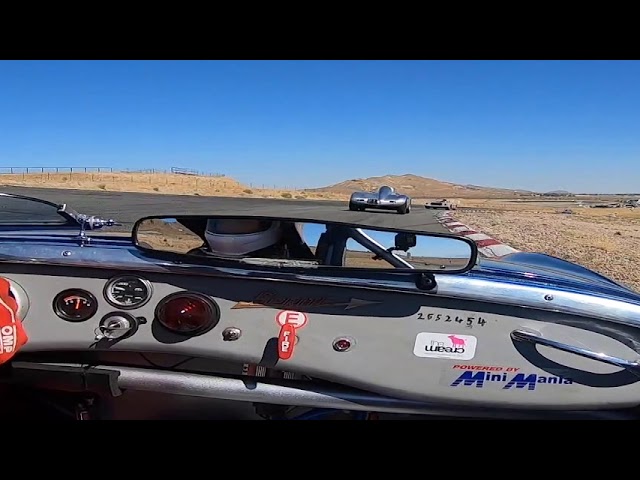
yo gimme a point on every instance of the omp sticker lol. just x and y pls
(291, 317)
(445, 345)
(12, 334)
(8, 334)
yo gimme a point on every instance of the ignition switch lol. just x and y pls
(117, 325)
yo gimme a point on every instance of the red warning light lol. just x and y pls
(342, 344)
(187, 313)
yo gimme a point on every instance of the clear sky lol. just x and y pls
(571, 125)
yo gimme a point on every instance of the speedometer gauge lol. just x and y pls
(127, 292)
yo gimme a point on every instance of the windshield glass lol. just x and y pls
(23, 211)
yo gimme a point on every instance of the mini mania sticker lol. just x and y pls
(445, 345)
(504, 378)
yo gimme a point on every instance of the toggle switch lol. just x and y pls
(286, 341)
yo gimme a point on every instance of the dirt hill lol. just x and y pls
(418, 187)
(168, 183)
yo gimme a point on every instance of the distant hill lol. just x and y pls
(558, 193)
(419, 187)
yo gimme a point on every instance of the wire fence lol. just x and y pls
(183, 176)
(70, 170)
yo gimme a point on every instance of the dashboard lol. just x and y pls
(81, 309)
(351, 335)
(229, 325)
(234, 319)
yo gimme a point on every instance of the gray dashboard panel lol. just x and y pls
(399, 340)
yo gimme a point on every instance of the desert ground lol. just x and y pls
(161, 183)
(166, 237)
(421, 189)
(603, 239)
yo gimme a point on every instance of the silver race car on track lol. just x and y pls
(385, 198)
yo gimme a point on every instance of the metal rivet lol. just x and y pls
(548, 298)
(342, 344)
(66, 253)
(231, 333)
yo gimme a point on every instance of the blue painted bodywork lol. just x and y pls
(537, 268)
(107, 242)
(532, 269)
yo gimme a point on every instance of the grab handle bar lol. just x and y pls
(537, 339)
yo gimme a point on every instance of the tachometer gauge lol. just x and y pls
(127, 292)
(75, 305)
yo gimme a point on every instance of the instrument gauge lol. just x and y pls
(75, 305)
(127, 292)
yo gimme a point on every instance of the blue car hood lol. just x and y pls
(534, 269)
(545, 270)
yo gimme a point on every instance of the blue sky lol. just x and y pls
(538, 125)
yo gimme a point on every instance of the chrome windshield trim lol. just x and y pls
(465, 287)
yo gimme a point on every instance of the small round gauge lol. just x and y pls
(75, 305)
(127, 292)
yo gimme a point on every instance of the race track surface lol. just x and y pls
(128, 207)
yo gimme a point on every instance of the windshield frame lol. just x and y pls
(68, 218)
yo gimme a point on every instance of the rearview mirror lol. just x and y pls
(296, 243)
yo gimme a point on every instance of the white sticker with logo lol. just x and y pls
(445, 345)
(297, 319)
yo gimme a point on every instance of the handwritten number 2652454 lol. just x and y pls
(469, 321)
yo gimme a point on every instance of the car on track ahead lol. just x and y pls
(386, 198)
(443, 204)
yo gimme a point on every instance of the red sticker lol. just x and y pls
(290, 317)
(286, 341)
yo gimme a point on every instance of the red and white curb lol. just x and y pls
(487, 246)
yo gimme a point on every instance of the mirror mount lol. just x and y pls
(426, 281)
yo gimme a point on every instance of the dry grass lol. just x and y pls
(419, 188)
(167, 237)
(542, 204)
(366, 260)
(158, 183)
(604, 240)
